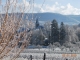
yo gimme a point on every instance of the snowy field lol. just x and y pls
(46, 59)
(38, 54)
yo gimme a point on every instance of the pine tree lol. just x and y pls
(37, 23)
(54, 32)
(62, 33)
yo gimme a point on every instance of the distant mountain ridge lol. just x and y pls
(42, 17)
(68, 19)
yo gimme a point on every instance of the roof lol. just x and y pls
(57, 49)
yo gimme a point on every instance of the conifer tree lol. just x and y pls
(37, 23)
(54, 32)
(62, 33)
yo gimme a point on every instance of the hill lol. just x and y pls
(67, 19)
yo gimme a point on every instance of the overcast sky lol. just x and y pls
(66, 7)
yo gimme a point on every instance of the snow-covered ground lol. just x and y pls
(38, 54)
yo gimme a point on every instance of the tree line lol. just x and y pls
(55, 33)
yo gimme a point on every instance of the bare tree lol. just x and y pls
(10, 24)
(71, 37)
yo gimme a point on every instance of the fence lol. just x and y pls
(46, 56)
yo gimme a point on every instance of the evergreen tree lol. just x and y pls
(37, 23)
(62, 33)
(54, 32)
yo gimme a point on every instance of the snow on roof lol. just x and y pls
(57, 49)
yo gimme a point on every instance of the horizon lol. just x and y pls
(43, 13)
